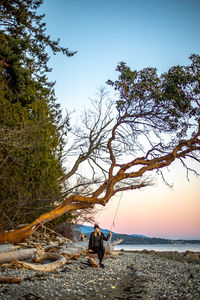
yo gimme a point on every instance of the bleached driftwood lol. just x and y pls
(83, 237)
(21, 254)
(50, 267)
(40, 256)
(70, 256)
(60, 255)
(117, 242)
(73, 250)
(109, 246)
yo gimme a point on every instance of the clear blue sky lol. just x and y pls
(156, 33)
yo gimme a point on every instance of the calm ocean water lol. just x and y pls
(161, 247)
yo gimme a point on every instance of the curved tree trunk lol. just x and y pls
(17, 236)
(40, 256)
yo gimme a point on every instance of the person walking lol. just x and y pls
(96, 243)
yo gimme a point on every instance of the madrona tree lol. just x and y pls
(118, 144)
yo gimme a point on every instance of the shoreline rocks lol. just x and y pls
(187, 256)
(130, 275)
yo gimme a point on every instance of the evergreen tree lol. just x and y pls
(31, 141)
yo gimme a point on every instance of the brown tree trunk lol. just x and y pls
(17, 236)
(9, 279)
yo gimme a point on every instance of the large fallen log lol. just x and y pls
(40, 256)
(17, 236)
(66, 252)
(21, 254)
(50, 267)
(59, 259)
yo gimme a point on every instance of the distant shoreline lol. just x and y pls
(159, 247)
(137, 239)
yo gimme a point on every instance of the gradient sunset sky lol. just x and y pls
(143, 33)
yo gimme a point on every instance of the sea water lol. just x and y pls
(160, 247)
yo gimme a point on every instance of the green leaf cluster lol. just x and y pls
(168, 103)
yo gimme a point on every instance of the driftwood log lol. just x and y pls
(50, 267)
(21, 254)
(9, 279)
(59, 256)
(74, 256)
(40, 256)
(119, 241)
(92, 262)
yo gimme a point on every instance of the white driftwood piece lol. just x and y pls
(79, 247)
(21, 254)
(40, 256)
(117, 242)
(109, 246)
(50, 267)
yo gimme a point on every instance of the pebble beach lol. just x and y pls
(129, 275)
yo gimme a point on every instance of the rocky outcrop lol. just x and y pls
(188, 256)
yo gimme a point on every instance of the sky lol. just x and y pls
(142, 33)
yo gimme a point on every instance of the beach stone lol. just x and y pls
(192, 256)
(134, 275)
(138, 273)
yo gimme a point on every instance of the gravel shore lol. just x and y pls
(130, 275)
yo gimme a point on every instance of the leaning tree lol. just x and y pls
(154, 121)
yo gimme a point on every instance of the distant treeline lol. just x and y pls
(131, 240)
(137, 240)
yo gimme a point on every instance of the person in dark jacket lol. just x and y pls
(96, 243)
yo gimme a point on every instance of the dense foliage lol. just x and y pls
(157, 111)
(31, 127)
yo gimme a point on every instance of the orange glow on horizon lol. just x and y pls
(157, 211)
